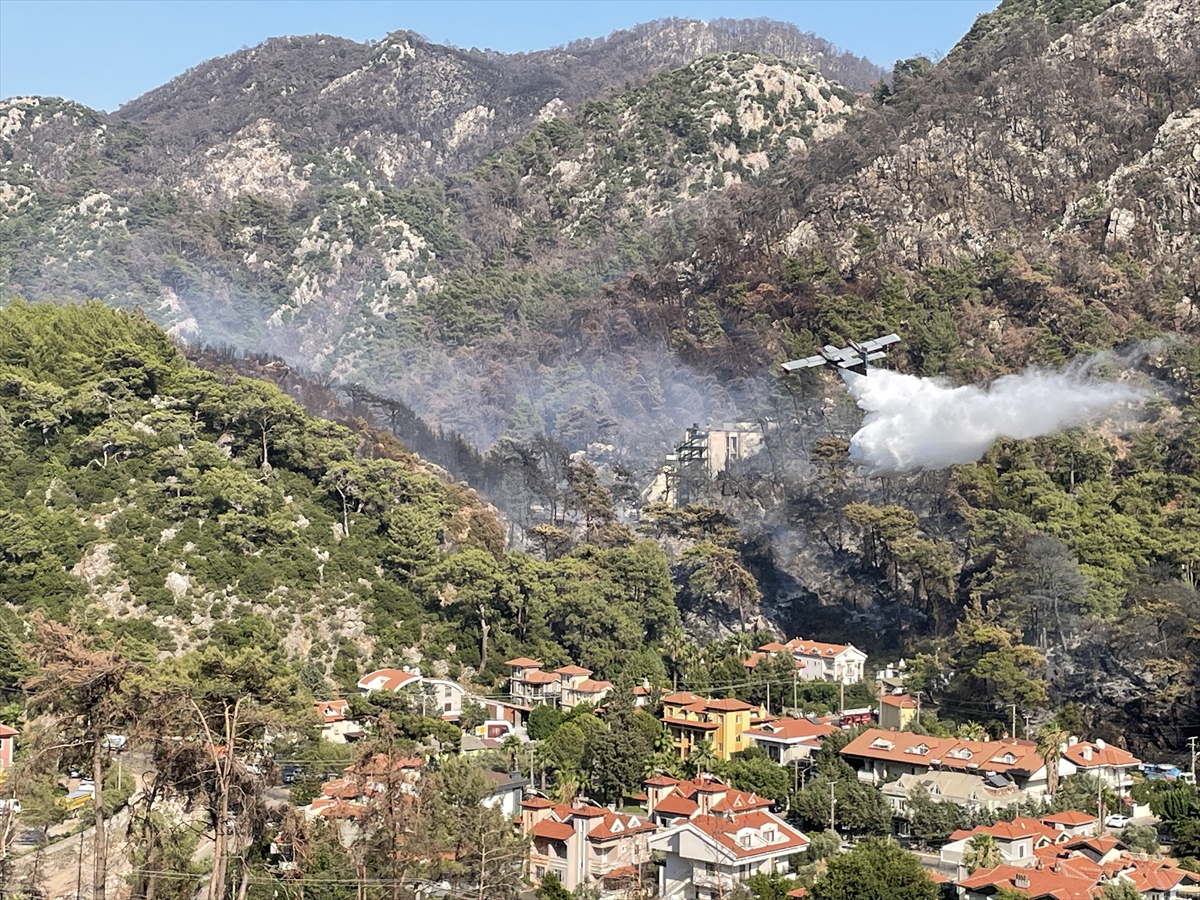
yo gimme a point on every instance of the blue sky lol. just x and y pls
(106, 52)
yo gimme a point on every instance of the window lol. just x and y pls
(448, 707)
(541, 872)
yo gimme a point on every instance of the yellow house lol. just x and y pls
(692, 719)
(896, 712)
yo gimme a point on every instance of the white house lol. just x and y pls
(437, 697)
(788, 741)
(707, 856)
(1114, 766)
(336, 726)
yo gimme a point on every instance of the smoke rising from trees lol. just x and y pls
(915, 423)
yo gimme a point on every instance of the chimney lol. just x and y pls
(1021, 881)
(1087, 754)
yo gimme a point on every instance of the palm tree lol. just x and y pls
(701, 759)
(982, 853)
(972, 731)
(674, 644)
(511, 746)
(1051, 740)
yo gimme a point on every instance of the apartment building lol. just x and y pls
(436, 697)
(816, 660)
(692, 719)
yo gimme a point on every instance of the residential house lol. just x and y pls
(336, 726)
(8, 746)
(707, 856)
(436, 696)
(974, 793)
(897, 711)
(581, 842)
(817, 661)
(442, 697)
(1073, 823)
(691, 719)
(669, 799)
(529, 686)
(1154, 879)
(790, 741)
(879, 755)
(388, 680)
(1018, 842)
(576, 686)
(506, 794)
(1074, 871)
(1114, 766)
(1064, 880)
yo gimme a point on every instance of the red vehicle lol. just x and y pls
(851, 717)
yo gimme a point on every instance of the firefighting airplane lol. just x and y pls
(854, 354)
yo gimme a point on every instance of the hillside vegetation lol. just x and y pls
(181, 508)
(570, 287)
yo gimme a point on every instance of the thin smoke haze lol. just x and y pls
(914, 423)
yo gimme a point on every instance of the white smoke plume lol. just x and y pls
(917, 423)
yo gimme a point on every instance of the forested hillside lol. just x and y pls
(179, 508)
(567, 285)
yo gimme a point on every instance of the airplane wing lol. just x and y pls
(806, 363)
(871, 357)
(880, 342)
(833, 353)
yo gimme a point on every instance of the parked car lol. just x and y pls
(1116, 820)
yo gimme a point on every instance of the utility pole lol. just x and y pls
(841, 697)
(832, 804)
(1027, 718)
(918, 707)
(1192, 745)
(794, 703)
(768, 698)
(1014, 719)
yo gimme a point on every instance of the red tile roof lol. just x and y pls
(682, 698)
(728, 705)
(660, 781)
(573, 670)
(675, 805)
(524, 662)
(725, 832)
(1050, 882)
(539, 677)
(738, 802)
(6, 731)
(791, 730)
(1015, 830)
(773, 647)
(903, 701)
(328, 710)
(816, 648)
(688, 723)
(1151, 874)
(389, 679)
(1071, 818)
(1102, 754)
(588, 686)
(1008, 755)
(553, 830)
(616, 825)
